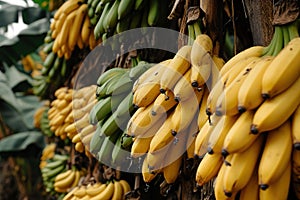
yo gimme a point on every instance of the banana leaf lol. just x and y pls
(8, 14)
(22, 141)
(31, 14)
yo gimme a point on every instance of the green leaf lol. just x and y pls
(8, 14)
(21, 141)
(31, 14)
(15, 78)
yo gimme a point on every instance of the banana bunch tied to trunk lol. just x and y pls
(111, 113)
(114, 190)
(251, 141)
(53, 167)
(71, 28)
(67, 180)
(113, 17)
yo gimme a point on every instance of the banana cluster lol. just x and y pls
(71, 28)
(47, 153)
(112, 112)
(69, 115)
(170, 97)
(251, 139)
(67, 180)
(114, 190)
(113, 17)
(30, 66)
(53, 167)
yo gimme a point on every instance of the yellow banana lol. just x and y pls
(80, 192)
(241, 167)
(217, 65)
(70, 194)
(275, 111)
(72, 6)
(175, 69)
(201, 60)
(140, 146)
(296, 128)
(87, 130)
(228, 101)
(239, 137)
(86, 30)
(192, 132)
(283, 70)
(76, 179)
(65, 30)
(147, 173)
(213, 96)
(163, 103)
(202, 116)
(76, 138)
(183, 88)
(65, 183)
(249, 95)
(171, 171)
(118, 191)
(185, 112)
(79, 146)
(276, 155)
(75, 32)
(218, 134)
(82, 122)
(146, 94)
(255, 51)
(203, 136)
(278, 189)
(95, 189)
(125, 185)
(251, 190)
(63, 175)
(208, 168)
(106, 194)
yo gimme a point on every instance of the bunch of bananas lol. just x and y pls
(47, 153)
(113, 17)
(170, 98)
(31, 66)
(67, 180)
(69, 114)
(252, 137)
(112, 112)
(71, 28)
(54, 166)
(44, 124)
(114, 190)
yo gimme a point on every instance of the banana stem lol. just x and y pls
(293, 30)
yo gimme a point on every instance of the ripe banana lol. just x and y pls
(275, 111)
(163, 103)
(107, 193)
(118, 191)
(251, 190)
(296, 128)
(183, 88)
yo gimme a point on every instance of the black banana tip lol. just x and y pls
(263, 186)
(228, 194)
(224, 153)
(135, 106)
(265, 95)
(177, 99)
(297, 146)
(208, 112)
(153, 113)
(174, 133)
(241, 109)
(210, 150)
(162, 90)
(254, 129)
(195, 84)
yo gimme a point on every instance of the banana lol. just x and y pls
(216, 66)
(151, 75)
(111, 19)
(102, 108)
(282, 72)
(192, 132)
(201, 60)
(86, 30)
(80, 192)
(105, 152)
(203, 136)
(185, 112)
(183, 89)
(202, 116)
(65, 31)
(138, 70)
(249, 95)
(63, 175)
(112, 125)
(251, 190)
(241, 167)
(65, 183)
(171, 171)
(106, 194)
(123, 85)
(125, 109)
(140, 146)
(295, 128)
(147, 173)
(146, 94)
(95, 189)
(254, 51)
(163, 103)
(96, 141)
(124, 8)
(175, 69)
(105, 76)
(153, 14)
(218, 134)
(72, 6)
(99, 27)
(239, 137)
(213, 96)
(278, 189)
(75, 32)
(227, 103)
(275, 111)
(274, 161)
(208, 168)
(118, 191)
(125, 186)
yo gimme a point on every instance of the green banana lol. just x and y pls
(48, 47)
(99, 28)
(123, 24)
(101, 91)
(125, 109)
(99, 8)
(139, 4)
(125, 7)
(95, 3)
(122, 84)
(103, 108)
(49, 61)
(119, 155)
(105, 76)
(138, 70)
(111, 125)
(97, 141)
(127, 141)
(153, 14)
(111, 19)
(135, 20)
(55, 163)
(64, 68)
(105, 153)
(52, 173)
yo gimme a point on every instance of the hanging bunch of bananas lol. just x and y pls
(67, 180)
(250, 144)
(114, 190)
(31, 66)
(54, 166)
(47, 153)
(69, 115)
(113, 17)
(170, 98)
(71, 28)
(112, 112)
